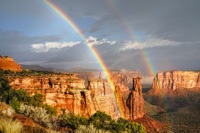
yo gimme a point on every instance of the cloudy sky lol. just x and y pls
(128, 34)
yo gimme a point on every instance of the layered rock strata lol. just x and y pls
(176, 80)
(132, 102)
(69, 93)
(136, 101)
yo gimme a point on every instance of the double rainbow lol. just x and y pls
(67, 19)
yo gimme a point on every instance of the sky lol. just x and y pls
(144, 35)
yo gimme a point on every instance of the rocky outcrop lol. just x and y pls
(135, 101)
(103, 97)
(7, 63)
(123, 77)
(61, 91)
(132, 102)
(69, 93)
(176, 80)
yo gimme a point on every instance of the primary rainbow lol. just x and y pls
(67, 18)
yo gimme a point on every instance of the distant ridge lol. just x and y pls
(40, 68)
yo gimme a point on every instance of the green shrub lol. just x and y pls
(4, 85)
(50, 110)
(89, 129)
(38, 114)
(10, 126)
(14, 103)
(134, 128)
(101, 120)
(16, 97)
(73, 121)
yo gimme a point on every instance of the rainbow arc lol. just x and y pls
(103, 66)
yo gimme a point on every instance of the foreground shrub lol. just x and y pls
(89, 129)
(10, 126)
(5, 109)
(103, 121)
(38, 114)
(72, 121)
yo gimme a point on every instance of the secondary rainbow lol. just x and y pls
(124, 22)
(67, 18)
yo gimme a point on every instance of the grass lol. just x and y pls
(10, 126)
(89, 129)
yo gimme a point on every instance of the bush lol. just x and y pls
(38, 114)
(89, 129)
(4, 85)
(134, 128)
(16, 97)
(10, 126)
(102, 121)
(73, 121)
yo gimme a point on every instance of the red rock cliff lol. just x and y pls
(176, 80)
(132, 102)
(103, 97)
(70, 93)
(7, 63)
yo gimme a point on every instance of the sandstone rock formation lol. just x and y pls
(118, 77)
(70, 93)
(176, 80)
(60, 91)
(7, 63)
(103, 97)
(132, 102)
(136, 101)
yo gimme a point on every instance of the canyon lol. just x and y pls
(177, 94)
(71, 93)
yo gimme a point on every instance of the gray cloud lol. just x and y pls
(40, 47)
(149, 43)
(167, 31)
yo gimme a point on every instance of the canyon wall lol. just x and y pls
(70, 93)
(103, 97)
(7, 63)
(176, 80)
(131, 102)
(123, 77)
(61, 91)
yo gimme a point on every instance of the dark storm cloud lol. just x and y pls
(177, 20)
(168, 31)
(18, 45)
(183, 57)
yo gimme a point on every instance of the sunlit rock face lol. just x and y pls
(69, 93)
(176, 80)
(103, 97)
(59, 91)
(136, 101)
(7, 63)
(132, 102)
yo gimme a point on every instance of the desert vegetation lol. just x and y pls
(100, 123)
(29, 73)
(7, 125)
